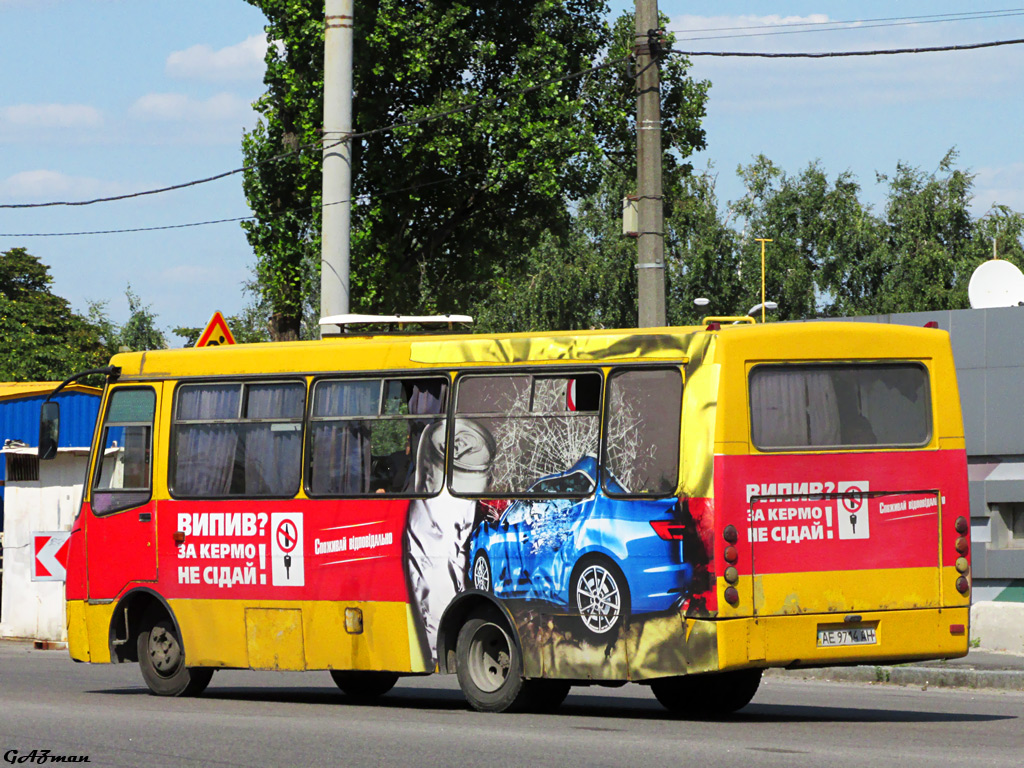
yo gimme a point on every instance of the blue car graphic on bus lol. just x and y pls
(601, 557)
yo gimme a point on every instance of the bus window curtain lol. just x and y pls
(205, 460)
(341, 449)
(273, 462)
(794, 408)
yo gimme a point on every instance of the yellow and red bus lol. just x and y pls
(675, 507)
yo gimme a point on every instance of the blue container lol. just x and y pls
(19, 417)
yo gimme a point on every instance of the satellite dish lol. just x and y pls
(996, 283)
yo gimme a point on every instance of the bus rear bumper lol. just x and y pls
(822, 640)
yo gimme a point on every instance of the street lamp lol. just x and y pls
(762, 241)
(701, 302)
(760, 309)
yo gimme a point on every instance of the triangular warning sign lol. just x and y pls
(216, 333)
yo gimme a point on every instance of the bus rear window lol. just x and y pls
(845, 405)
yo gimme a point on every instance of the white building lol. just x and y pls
(41, 501)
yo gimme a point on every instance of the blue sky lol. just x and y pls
(102, 97)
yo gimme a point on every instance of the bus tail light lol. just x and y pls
(731, 555)
(669, 530)
(962, 546)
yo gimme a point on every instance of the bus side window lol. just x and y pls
(124, 466)
(377, 436)
(526, 434)
(641, 444)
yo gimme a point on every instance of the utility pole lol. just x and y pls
(651, 216)
(337, 158)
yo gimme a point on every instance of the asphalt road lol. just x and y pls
(300, 719)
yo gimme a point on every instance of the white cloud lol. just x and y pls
(178, 107)
(999, 186)
(243, 61)
(40, 184)
(756, 85)
(51, 116)
(729, 27)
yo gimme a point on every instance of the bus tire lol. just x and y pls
(714, 694)
(489, 666)
(600, 596)
(162, 660)
(481, 575)
(364, 686)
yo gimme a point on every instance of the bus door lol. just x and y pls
(845, 495)
(121, 518)
(845, 552)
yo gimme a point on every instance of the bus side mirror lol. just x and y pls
(49, 430)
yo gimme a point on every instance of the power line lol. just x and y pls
(467, 107)
(841, 54)
(159, 228)
(842, 26)
(476, 104)
(125, 231)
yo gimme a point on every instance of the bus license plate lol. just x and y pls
(851, 636)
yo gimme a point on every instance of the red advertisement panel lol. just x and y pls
(839, 512)
(284, 550)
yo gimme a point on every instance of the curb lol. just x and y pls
(909, 675)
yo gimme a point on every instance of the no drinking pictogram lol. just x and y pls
(287, 564)
(287, 535)
(854, 500)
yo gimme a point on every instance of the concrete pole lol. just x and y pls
(337, 159)
(651, 224)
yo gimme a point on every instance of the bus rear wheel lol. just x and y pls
(162, 660)
(364, 686)
(490, 667)
(713, 694)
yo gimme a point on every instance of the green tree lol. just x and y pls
(583, 276)
(702, 254)
(818, 230)
(930, 244)
(139, 332)
(41, 337)
(447, 207)
(832, 256)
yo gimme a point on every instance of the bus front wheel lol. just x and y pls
(162, 660)
(489, 666)
(714, 694)
(364, 686)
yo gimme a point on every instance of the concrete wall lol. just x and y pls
(35, 609)
(988, 347)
